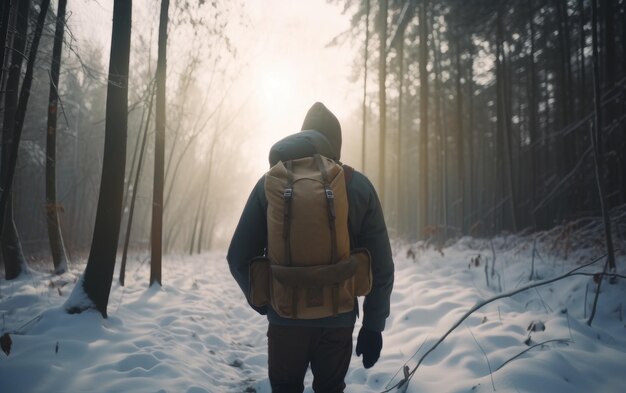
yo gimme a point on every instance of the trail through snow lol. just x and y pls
(197, 334)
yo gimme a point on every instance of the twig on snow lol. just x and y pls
(486, 357)
(404, 367)
(559, 340)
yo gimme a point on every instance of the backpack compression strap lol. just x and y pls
(287, 196)
(330, 199)
(348, 171)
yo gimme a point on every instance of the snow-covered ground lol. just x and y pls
(196, 333)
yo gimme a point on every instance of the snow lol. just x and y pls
(197, 334)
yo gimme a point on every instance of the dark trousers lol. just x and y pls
(292, 348)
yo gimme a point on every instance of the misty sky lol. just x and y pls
(285, 63)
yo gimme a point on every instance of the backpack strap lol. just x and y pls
(330, 199)
(348, 171)
(287, 197)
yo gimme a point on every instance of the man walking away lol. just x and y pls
(324, 343)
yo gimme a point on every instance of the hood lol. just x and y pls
(321, 133)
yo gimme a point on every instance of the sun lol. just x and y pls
(276, 85)
(279, 95)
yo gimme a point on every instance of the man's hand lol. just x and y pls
(369, 343)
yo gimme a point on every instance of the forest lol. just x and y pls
(132, 132)
(498, 106)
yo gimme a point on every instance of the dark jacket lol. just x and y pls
(322, 135)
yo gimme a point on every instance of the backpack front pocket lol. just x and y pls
(259, 274)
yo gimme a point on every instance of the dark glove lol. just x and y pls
(369, 343)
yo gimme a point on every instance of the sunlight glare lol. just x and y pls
(274, 86)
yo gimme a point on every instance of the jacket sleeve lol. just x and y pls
(249, 239)
(372, 234)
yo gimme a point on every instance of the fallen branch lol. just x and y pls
(405, 368)
(600, 274)
(483, 303)
(559, 340)
(486, 357)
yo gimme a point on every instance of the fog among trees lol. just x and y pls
(472, 118)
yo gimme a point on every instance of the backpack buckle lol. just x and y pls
(288, 193)
(329, 194)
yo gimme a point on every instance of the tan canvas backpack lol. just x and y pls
(309, 270)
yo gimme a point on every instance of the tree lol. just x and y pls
(12, 255)
(460, 136)
(532, 112)
(504, 130)
(5, 12)
(596, 140)
(133, 199)
(365, 56)
(509, 112)
(98, 274)
(382, 96)
(57, 247)
(159, 150)
(441, 141)
(13, 132)
(423, 150)
(397, 41)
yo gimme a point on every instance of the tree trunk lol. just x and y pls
(202, 213)
(560, 144)
(423, 167)
(460, 136)
(14, 122)
(470, 137)
(197, 220)
(609, 43)
(504, 121)
(57, 247)
(567, 50)
(101, 263)
(133, 198)
(532, 117)
(400, 179)
(441, 149)
(159, 150)
(596, 139)
(364, 121)
(12, 254)
(200, 216)
(382, 98)
(192, 244)
(611, 111)
(5, 10)
(582, 45)
(131, 170)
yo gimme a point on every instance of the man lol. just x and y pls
(326, 343)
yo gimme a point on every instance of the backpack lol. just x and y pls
(308, 271)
